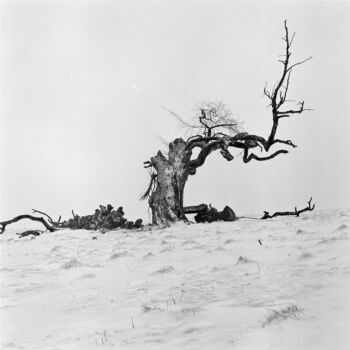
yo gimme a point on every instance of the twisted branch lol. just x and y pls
(278, 96)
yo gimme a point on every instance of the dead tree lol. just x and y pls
(216, 130)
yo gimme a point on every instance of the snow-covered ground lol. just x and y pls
(205, 286)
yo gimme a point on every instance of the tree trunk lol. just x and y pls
(166, 200)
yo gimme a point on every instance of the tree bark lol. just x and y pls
(166, 200)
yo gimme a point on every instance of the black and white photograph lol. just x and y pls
(174, 174)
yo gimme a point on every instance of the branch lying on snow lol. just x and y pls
(30, 232)
(30, 217)
(51, 225)
(104, 218)
(296, 212)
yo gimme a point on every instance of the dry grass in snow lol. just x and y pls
(276, 316)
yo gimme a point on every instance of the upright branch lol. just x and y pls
(278, 95)
(210, 141)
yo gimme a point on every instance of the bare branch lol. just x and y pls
(293, 111)
(286, 142)
(200, 141)
(21, 217)
(298, 63)
(267, 92)
(247, 158)
(223, 125)
(291, 40)
(204, 153)
(226, 154)
(296, 212)
(278, 96)
(42, 213)
(181, 120)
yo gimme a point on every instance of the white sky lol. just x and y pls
(84, 86)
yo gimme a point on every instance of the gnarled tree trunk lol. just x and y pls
(166, 200)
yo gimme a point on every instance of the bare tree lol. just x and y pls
(216, 130)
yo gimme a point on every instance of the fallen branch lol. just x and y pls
(104, 218)
(296, 212)
(30, 232)
(30, 217)
(42, 213)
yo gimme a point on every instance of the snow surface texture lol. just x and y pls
(204, 286)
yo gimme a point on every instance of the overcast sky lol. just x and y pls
(84, 85)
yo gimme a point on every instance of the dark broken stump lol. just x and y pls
(210, 214)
